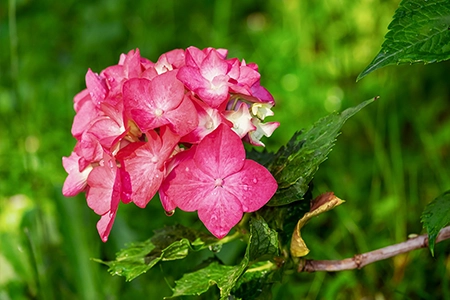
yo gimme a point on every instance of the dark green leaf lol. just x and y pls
(435, 216)
(198, 282)
(263, 157)
(264, 241)
(257, 281)
(296, 163)
(169, 243)
(419, 32)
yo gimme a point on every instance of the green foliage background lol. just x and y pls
(390, 161)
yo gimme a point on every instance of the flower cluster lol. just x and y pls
(175, 127)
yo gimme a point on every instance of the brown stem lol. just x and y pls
(360, 260)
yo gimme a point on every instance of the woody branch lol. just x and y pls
(360, 260)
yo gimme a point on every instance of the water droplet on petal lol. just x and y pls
(170, 213)
(187, 169)
(101, 163)
(255, 180)
(154, 159)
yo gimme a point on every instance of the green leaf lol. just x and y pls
(435, 217)
(264, 240)
(419, 32)
(257, 281)
(196, 283)
(169, 243)
(263, 157)
(263, 244)
(296, 163)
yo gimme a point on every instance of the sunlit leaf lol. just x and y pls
(320, 205)
(419, 32)
(169, 243)
(435, 216)
(198, 282)
(296, 163)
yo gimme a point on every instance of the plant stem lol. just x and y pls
(360, 260)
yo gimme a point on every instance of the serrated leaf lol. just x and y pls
(295, 164)
(169, 243)
(197, 283)
(321, 204)
(435, 217)
(257, 281)
(264, 240)
(419, 32)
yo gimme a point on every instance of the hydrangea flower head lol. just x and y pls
(175, 127)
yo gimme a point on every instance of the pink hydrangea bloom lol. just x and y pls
(218, 182)
(140, 126)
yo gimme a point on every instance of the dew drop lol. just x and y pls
(101, 163)
(187, 169)
(154, 159)
(255, 180)
(215, 248)
(170, 213)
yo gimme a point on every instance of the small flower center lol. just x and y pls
(218, 182)
(158, 112)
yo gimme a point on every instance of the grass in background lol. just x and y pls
(390, 161)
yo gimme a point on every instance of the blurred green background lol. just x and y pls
(390, 161)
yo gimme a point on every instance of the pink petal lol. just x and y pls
(192, 78)
(221, 153)
(89, 149)
(184, 118)
(96, 86)
(167, 91)
(101, 186)
(145, 166)
(194, 57)
(213, 65)
(213, 96)
(87, 112)
(148, 101)
(186, 187)
(208, 120)
(80, 99)
(104, 225)
(169, 61)
(253, 185)
(76, 181)
(220, 211)
(132, 64)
